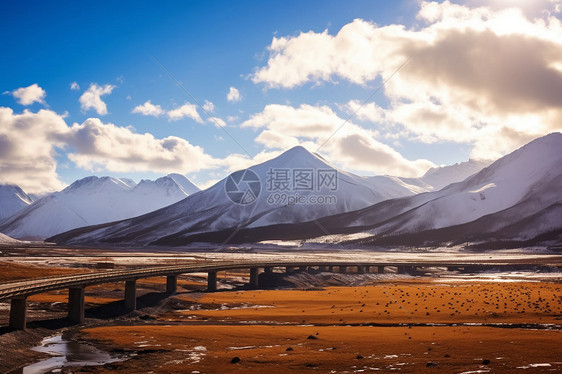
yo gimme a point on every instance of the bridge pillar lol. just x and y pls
(303, 268)
(268, 269)
(171, 284)
(343, 269)
(367, 269)
(212, 281)
(18, 309)
(131, 295)
(401, 270)
(360, 269)
(254, 283)
(322, 268)
(289, 269)
(76, 304)
(331, 269)
(380, 269)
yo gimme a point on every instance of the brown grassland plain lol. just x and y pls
(388, 326)
(409, 325)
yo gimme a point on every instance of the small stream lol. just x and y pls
(66, 353)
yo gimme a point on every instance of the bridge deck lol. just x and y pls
(25, 288)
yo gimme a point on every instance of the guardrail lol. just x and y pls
(34, 286)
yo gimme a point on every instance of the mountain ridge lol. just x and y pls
(211, 211)
(93, 200)
(12, 200)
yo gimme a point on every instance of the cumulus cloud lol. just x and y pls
(187, 110)
(470, 73)
(98, 145)
(218, 122)
(74, 86)
(91, 99)
(28, 143)
(238, 161)
(233, 95)
(319, 127)
(209, 106)
(148, 109)
(29, 95)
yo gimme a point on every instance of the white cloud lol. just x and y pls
(91, 99)
(74, 86)
(471, 73)
(233, 95)
(209, 106)
(186, 110)
(358, 53)
(208, 183)
(28, 143)
(148, 109)
(30, 94)
(237, 161)
(365, 112)
(218, 122)
(96, 145)
(319, 127)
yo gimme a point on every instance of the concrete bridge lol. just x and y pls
(19, 291)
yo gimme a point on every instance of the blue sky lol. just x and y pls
(301, 69)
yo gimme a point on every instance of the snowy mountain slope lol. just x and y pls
(442, 176)
(280, 183)
(12, 200)
(503, 184)
(535, 219)
(187, 186)
(516, 198)
(93, 200)
(382, 205)
(433, 180)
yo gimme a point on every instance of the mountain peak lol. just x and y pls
(180, 179)
(12, 200)
(90, 201)
(541, 155)
(296, 157)
(554, 139)
(441, 176)
(93, 183)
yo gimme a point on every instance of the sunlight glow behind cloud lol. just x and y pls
(472, 73)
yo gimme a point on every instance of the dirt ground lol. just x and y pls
(333, 349)
(407, 325)
(12, 271)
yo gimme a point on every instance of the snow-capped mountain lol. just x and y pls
(532, 172)
(94, 200)
(516, 199)
(296, 186)
(12, 200)
(186, 185)
(442, 176)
